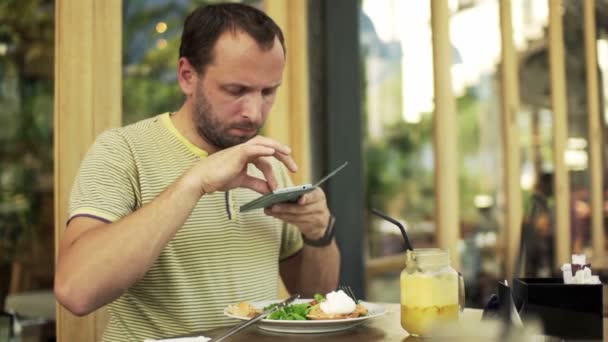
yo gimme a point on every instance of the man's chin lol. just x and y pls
(238, 139)
(241, 138)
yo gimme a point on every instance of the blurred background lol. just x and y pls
(370, 98)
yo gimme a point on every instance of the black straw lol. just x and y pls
(408, 244)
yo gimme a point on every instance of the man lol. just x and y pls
(537, 230)
(154, 228)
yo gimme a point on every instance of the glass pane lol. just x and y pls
(151, 37)
(26, 137)
(576, 155)
(602, 57)
(395, 40)
(538, 163)
(476, 85)
(536, 134)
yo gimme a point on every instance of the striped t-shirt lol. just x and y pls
(218, 257)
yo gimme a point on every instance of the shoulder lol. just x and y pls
(140, 131)
(145, 129)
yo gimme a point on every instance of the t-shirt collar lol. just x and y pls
(166, 120)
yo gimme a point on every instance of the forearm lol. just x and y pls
(106, 260)
(320, 269)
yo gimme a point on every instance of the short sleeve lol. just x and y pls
(291, 241)
(106, 184)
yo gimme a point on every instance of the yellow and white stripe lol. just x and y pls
(218, 257)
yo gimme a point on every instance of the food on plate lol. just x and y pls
(318, 314)
(243, 309)
(292, 312)
(336, 305)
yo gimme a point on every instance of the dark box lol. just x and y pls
(566, 311)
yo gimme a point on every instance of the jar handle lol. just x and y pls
(461, 293)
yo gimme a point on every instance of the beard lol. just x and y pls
(211, 129)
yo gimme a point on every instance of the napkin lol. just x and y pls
(584, 277)
(583, 273)
(182, 339)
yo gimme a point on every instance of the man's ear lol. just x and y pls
(186, 76)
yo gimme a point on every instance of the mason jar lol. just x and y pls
(431, 290)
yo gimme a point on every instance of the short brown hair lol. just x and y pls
(204, 26)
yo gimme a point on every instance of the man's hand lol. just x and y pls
(227, 169)
(310, 214)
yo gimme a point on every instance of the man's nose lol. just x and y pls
(252, 106)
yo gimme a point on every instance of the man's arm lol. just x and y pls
(97, 261)
(313, 269)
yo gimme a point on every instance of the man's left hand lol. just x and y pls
(310, 213)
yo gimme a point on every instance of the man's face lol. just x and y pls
(234, 95)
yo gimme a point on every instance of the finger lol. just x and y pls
(316, 195)
(296, 209)
(302, 200)
(266, 167)
(261, 140)
(307, 224)
(294, 219)
(251, 152)
(282, 152)
(255, 184)
(287, 160)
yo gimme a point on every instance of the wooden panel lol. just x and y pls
(277, 125)
(445, 134)
(378, 267)
(289, 120)
(561, 183)
(107, 66)
(299, 107)
(595, 131)
(87, 101)
(510, 138)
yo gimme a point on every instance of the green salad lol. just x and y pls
(294, 312)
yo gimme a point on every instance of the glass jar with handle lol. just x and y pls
(431, 290)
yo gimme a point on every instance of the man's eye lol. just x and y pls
(269, 92)
(236, 91)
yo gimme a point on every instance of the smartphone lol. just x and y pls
(290, 194)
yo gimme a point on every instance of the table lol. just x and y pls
(384, 328)
(381, 329)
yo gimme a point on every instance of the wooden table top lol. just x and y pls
(383, 328)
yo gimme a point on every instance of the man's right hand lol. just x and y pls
(227, 169)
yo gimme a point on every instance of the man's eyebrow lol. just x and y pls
(248, 86)
(234, 84)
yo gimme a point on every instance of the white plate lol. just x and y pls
(311, 326)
